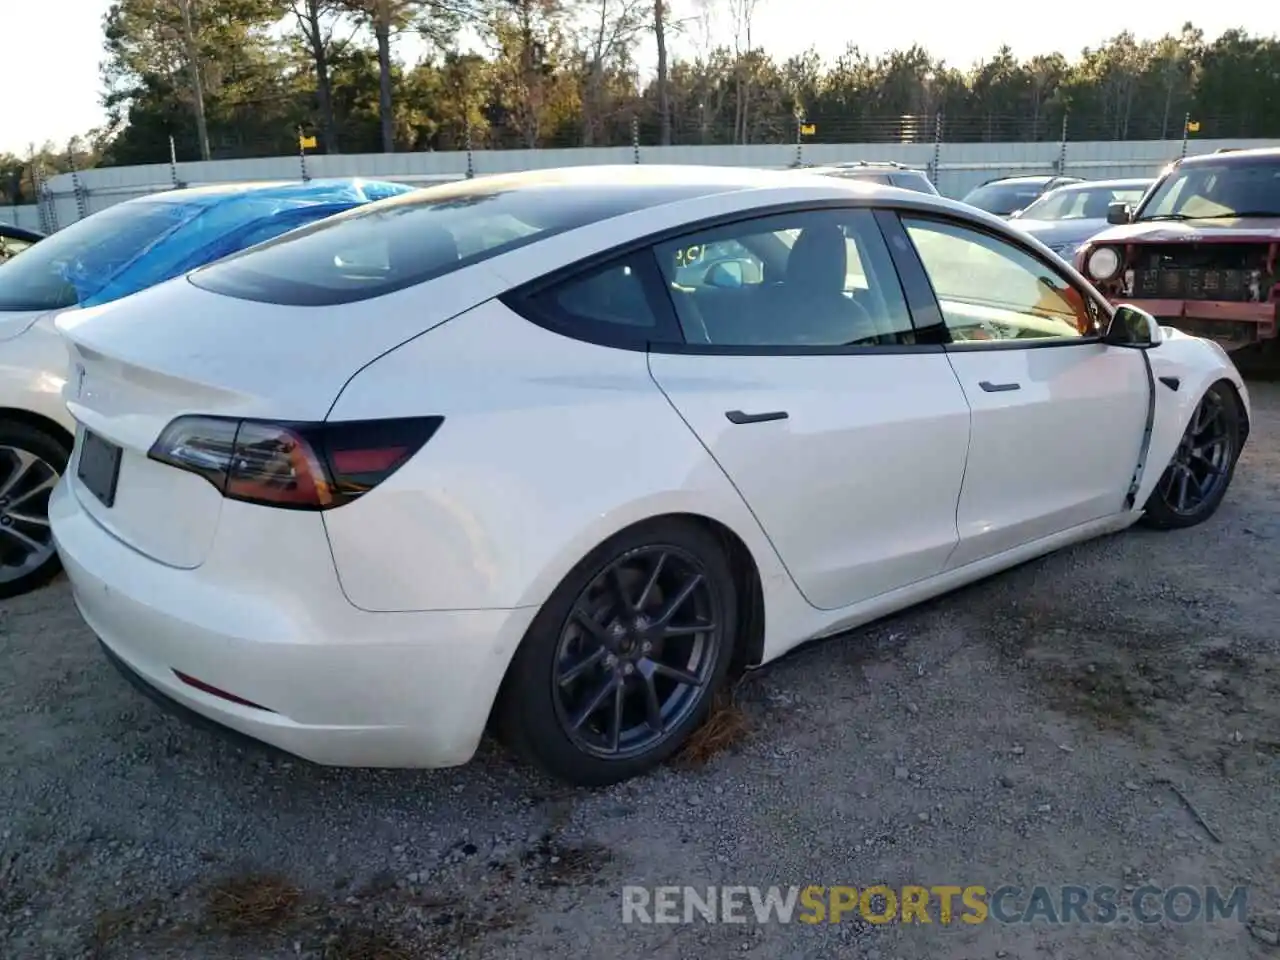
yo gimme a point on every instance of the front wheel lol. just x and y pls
(1196, 480)
(31, 460)
(621, 664)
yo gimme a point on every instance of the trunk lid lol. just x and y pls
(138, 363)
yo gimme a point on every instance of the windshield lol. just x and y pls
(1003, 199)
(75, 263)
(1081, 203)
(1217, 190)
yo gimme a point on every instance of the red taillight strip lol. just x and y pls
(214, 691)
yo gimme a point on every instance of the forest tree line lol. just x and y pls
(241, 78)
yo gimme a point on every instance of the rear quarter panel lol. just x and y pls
(548, 447)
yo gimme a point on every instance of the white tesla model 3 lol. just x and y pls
(559, 450)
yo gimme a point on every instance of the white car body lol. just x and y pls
(33, 363)
(379, 633)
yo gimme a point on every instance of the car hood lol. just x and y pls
(1256, 229)
(1057, 232)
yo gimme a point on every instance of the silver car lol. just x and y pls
(1067, 216)
(885, 172)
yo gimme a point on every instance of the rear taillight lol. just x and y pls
(301, 466)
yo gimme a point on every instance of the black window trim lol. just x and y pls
(1030, 343)
(522, 299)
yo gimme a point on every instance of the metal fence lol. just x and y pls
(954, 167)
(708, 125)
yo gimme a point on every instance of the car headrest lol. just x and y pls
(819, 259)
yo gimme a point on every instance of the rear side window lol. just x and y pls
(397, 243)
(620, 303)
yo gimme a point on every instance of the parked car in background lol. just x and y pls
(13, 240)
(1201, 251)
(884, 172)
(493, 453)
(1067, 216)
(106, 256)
(1008, 195)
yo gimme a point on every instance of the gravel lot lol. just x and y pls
(1016, 731)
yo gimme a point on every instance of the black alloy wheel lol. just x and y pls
(1202, 466)
(622, 662)
(31, 462)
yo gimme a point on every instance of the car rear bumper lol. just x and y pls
(310, 674)
(1229, 322)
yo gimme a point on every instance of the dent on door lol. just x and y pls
(1057, 451)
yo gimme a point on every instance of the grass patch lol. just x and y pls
(726, 728)
(561, 865)
(110, 925)
(251, 902)
(360, 943)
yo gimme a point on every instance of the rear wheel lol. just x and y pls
(621, 664)
(31, 460)
(1196, 480)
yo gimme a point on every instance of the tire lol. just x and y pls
(31, 460)
(1216, 420)
(541, 696)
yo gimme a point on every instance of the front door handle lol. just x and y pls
(990, 387)
(737, 416)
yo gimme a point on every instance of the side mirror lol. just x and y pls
(726, 273)
(1134, 328)
(1119, 212)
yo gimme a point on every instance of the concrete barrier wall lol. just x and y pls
(955, 168)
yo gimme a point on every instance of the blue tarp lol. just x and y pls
(134, 245)
(211, 223)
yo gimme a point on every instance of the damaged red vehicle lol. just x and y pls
(1201, 251)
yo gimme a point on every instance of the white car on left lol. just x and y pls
(104, 257)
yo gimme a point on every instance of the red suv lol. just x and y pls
(1201, 251)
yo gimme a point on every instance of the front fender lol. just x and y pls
(1195, 364)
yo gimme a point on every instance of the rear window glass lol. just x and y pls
(914, 180)
(1004, 198)
(76, 263)
(408, 240)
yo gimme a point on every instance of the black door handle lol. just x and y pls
(990, 387)
(737, 416)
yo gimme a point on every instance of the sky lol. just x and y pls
(53, 47)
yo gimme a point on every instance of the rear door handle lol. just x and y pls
(737, 416)
(990, 387)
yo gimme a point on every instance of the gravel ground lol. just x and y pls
(1014, 732)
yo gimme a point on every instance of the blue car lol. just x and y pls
(108, 255)
(139, 243)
